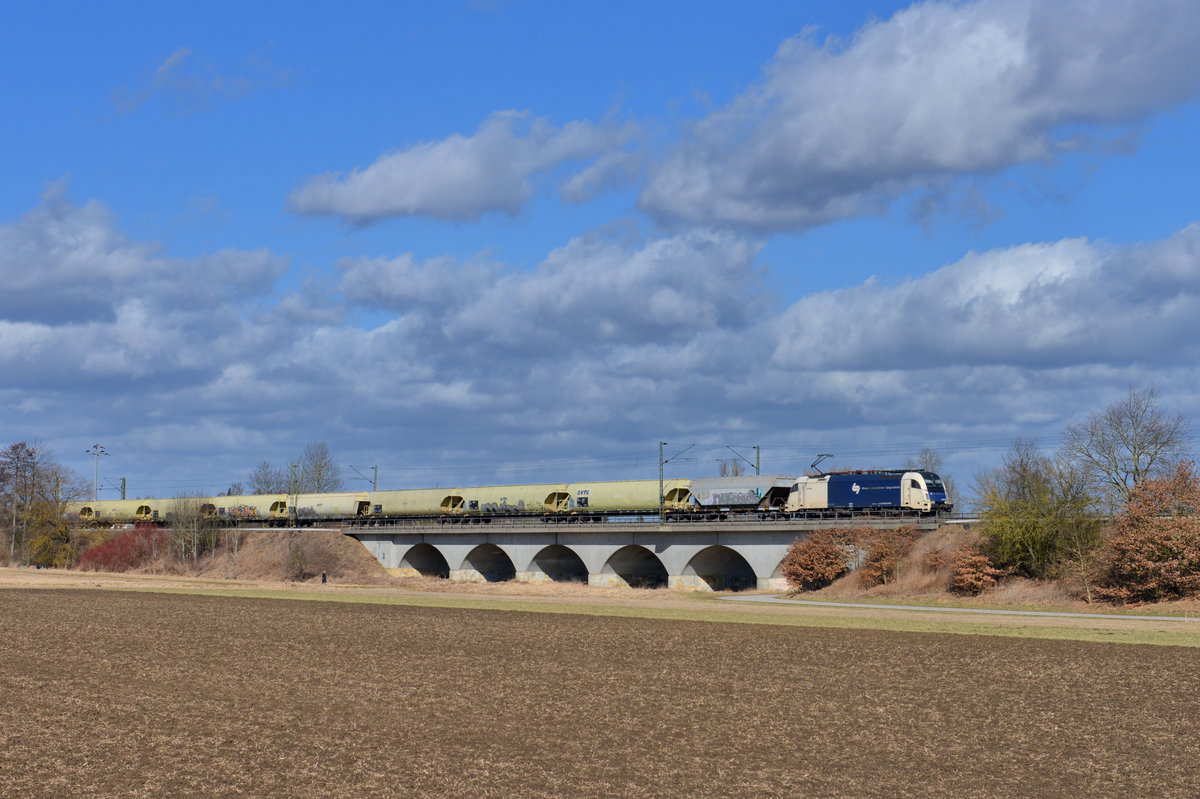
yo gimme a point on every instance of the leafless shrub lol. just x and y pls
(816, 561)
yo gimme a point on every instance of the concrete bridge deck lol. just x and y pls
(703, 556)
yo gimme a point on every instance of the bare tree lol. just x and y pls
(1075, 515)
(1021, 476)
(930, 460)
(193, 531)
(927, 459)
(1037, 513)
(266, 479)
(1127, 442)
(319, 474)
(18, 475)
(34, 489)
(314, 472)
(732, 468)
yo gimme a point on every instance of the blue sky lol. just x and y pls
(519, 241)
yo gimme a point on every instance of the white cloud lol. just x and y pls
(459, 177)
(65, 262)
(937, 92)
(1033, 306)
(998, 344)
(84, 303)
(608, 343)
(594, 292)
(401, 283)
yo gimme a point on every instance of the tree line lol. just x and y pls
(1112, 511)
(1112, 514)
(35, 488)
(314, 471)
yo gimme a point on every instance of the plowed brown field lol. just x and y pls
(118, 694)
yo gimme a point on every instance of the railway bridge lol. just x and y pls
(705, 556)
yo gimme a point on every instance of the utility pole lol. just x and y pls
(97, 451)
(662, 500)
(122, 488)
(293, 494)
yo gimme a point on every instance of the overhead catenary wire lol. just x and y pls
(792, 457)
(785, 458)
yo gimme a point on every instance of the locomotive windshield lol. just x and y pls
(933, 483)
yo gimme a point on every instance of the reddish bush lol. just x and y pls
(127, 551)
(885, 550)
(1154, 551)
(972, 573)
(816, 561)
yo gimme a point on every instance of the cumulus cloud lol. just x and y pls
(673, 337)
(83, 302)
(459, 177)
(64, 262)
(939, 91)
(1034, 306)
(593, 292)
(608, 342)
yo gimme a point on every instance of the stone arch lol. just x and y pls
(718, 568)
(491, 562)
(637, 566)
(427, 560)
(561, 564)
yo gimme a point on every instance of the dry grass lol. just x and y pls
(916, 578)
(263, 558)
(112, 694)
(919, 581)
(265, 555)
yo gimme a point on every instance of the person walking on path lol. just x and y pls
(323, 577)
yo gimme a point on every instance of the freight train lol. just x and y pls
(890, 492)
